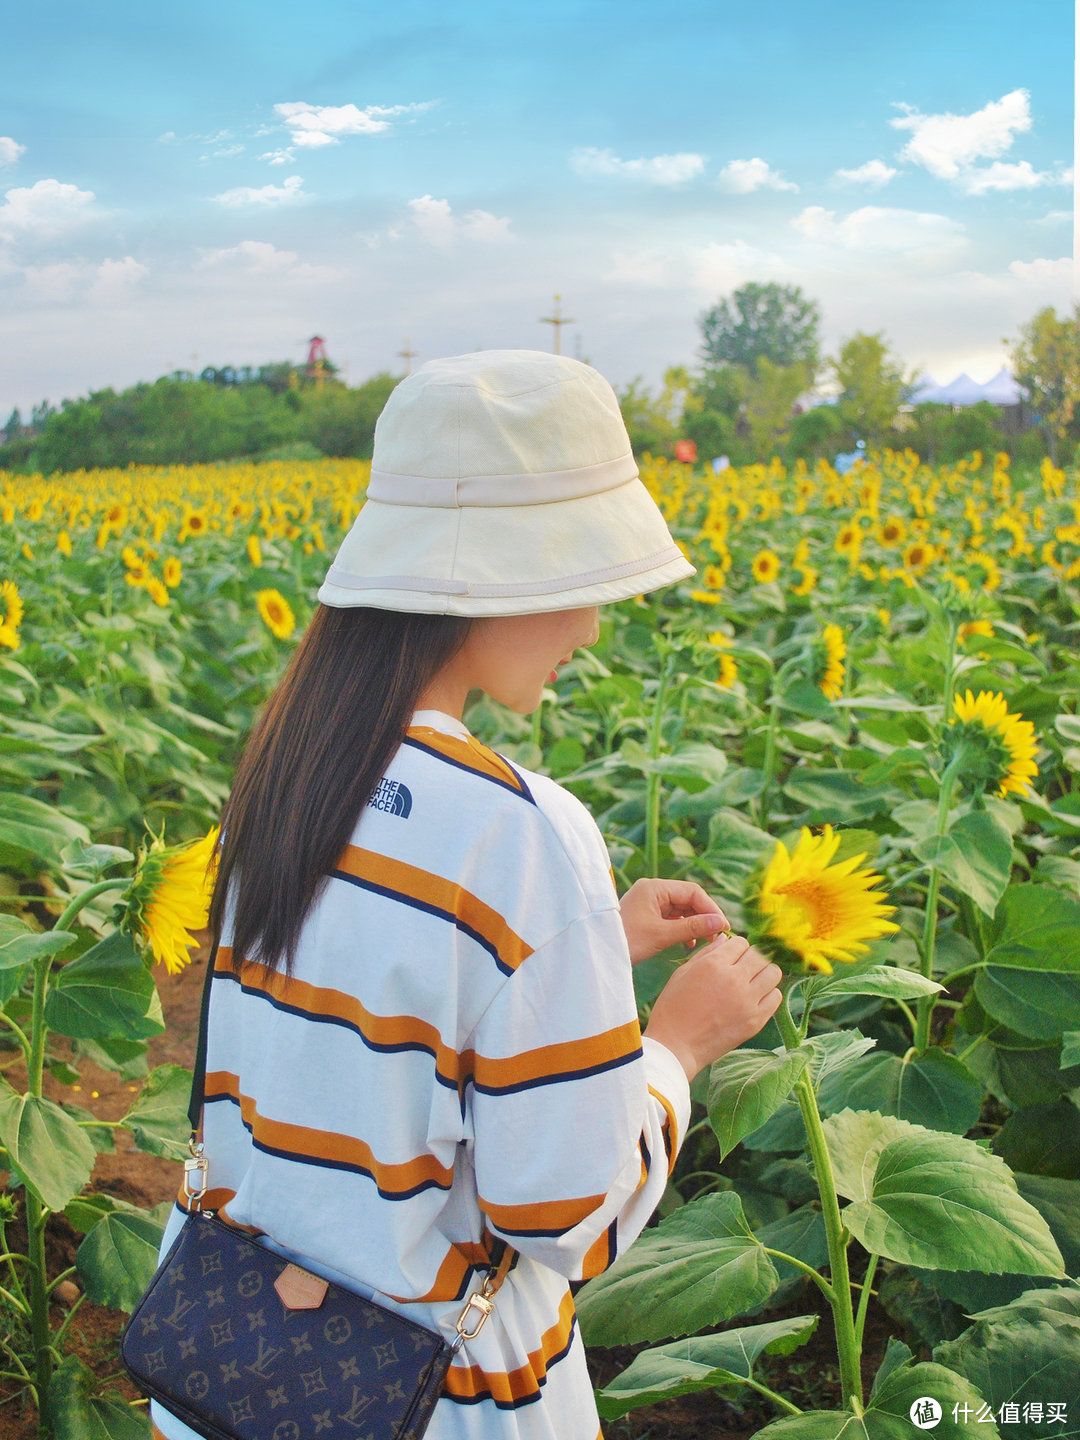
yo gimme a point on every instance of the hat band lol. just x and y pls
(444, 492)
(426, 585)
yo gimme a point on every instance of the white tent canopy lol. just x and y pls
(1001, 389)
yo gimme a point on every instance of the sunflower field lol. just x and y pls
(857, 726)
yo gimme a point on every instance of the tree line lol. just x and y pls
(760, 359)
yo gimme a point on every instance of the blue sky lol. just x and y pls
(213, 184)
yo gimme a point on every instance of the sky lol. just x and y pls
(215, 183)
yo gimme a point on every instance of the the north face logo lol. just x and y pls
(393, 797)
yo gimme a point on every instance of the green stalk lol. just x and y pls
(847, 1342)
(778, 1400)
(925, 1007)
(39, 1303)
(89, 894)
(864, 1299)
(652, 780)
(768, 765)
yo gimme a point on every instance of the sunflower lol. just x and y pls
(808, 581)
(831, 652)
(136, 574)
(729, 671)
(998, 748)
(169, 898)
(276, 613)
(892, 531)
(157, 591)
(172, 572)
(765, 567)
(63, 543)
(194, 523)
(254, 551)
(12, 616)
(918, 555)
(817, 911)
(975, 627)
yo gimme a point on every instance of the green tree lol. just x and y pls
(871, 386)
(770, 322)
(655, 421)
(770, 403)
(1046, 359)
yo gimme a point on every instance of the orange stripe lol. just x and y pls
(303, 1142)
(155, 1433)
(561, 1058)
(468, 1382)
(596, 1258)
(448, 1279)
(467, 750)
(540, 1215)
(417, 884)
(671, 1129)
(397, 1031)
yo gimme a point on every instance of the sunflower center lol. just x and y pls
(817, 903)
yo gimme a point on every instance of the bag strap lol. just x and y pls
(478, 1306)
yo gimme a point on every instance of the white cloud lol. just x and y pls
(55, 283)
(946, 144)
(875, 173)
(1039, 273)
(437, 223)
(260, 257)
(286, 194)
(743, 176)
(1002, 175)
(645, 268)
(720, 268)
(654, 170)
(313, 126)
(46, 208)
(170, 137)
(225, 153)
(1054, 217)
(881, 229)
(113, 278)
(10, 150)
(279, 157)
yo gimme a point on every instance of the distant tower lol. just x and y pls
(316, 360)
(557, 320)
(408, 355)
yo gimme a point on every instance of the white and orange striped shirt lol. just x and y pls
(457, 1056)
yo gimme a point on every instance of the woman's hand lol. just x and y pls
(659, 913)
(722, 996)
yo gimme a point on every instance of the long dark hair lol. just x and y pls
(312, 763)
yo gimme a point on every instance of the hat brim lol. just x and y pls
(431, 560)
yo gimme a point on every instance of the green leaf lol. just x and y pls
(1033, 1002)
(697, 766)
(975, 857)
(746, 1087)
(126, 1057)
(1070, 1049)
(1038, 929)
(119, 1255)
(78, 1410)
(89, 862)
(1022, 1352)
(158, 1119)
(800, 1233)
(699, 1267)
(935, 1200)
(84, 1212)
(51, 1153)
(888, 1416)
(914, 1298)
(97, 1132)
(888, 981)
(1042, 1140)
(106, 992)
(33, 833)
(30, 945)
(832, 796)
(896, 1355)
(706, 1362)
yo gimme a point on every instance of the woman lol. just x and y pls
(423, 1039)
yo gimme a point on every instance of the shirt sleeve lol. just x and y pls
(576, 1121)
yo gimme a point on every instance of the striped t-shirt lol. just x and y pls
(456, 1057)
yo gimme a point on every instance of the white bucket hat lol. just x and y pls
(502, 483)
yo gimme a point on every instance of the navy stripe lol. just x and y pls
(428, 908)
(556, 1079)
(326, 1164)
(379, 1047)
(645, 1155)
(613, 1241)
(524, 792)
(525, 1399)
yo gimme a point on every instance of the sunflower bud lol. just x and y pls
(169, 898)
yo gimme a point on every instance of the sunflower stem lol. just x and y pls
(652, 779)
(925, 1007)
(92, 891)
(847, 1340)
(768, 765)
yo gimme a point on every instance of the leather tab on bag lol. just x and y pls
(299, 1289)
